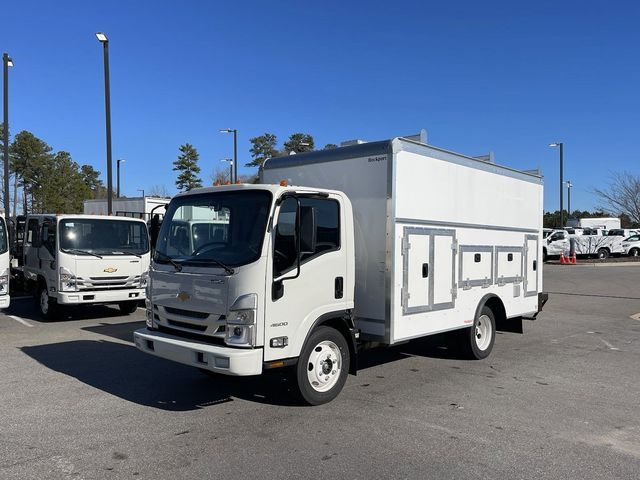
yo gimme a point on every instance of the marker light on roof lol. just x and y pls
(284, 183)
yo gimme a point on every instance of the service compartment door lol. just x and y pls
(531, 266)
(428, 266)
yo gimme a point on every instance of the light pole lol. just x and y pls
(231, 162)
(235, 152)
(561, 145)
(569, 185)
(7, 62)
(102, 38)
(118, 162)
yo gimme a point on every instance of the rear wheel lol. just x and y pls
(603, 253)
(323, 366)
(128, 307)
(477, 341)
(48, 306)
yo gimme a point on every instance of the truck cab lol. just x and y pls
(208, 304)
(85, 259)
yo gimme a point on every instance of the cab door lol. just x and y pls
(47, 253)
(31, 246)
(298, 296)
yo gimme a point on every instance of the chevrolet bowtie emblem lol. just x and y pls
(183, 296)
(110, 270)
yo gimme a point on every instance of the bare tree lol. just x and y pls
(220, 175)
(159, 191)
(621, 195)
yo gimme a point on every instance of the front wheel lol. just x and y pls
(323, 366)
(48, 306)
(128, 307)
(634, 252)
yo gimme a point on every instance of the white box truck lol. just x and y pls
(376, 243)
(85, 259)
(5, 264)
(135, 207)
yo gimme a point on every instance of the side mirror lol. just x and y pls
(307, 230)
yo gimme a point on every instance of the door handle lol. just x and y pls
(425, 270)
(339, 287)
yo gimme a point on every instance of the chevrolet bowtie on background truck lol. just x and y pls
(381, 243)
(85, 259)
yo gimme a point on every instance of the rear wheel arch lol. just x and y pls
(496, 305)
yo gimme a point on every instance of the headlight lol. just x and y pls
(149, 320)
(4, 282)
(67, 280)
(241, 329)
(144, 279)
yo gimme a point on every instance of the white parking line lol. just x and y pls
(20, 320)
(611, 347)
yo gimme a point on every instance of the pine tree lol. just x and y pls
(187, 165)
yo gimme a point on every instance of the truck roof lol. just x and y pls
(273, 188)
(395, 145)
(62, 216)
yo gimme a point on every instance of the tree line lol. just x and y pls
(42, 180)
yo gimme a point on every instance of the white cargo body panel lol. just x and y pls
(435, 233)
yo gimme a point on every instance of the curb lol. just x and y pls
(595, 265)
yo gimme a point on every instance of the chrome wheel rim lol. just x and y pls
(483, 332)
(324, 366)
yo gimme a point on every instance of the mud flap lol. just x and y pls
(513, 325)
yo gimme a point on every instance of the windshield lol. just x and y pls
(103, 236)
(3, 236)
(226, 227)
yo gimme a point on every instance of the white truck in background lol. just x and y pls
(558, 242)
(375, 243)
(134, 207)
(606, 223)
(5, 260)
(85, 259)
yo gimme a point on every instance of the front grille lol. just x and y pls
(199, 328)
(192, 336)
(107, 279)
(186, 313)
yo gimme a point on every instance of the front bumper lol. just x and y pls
(100, 296)
(225, 360)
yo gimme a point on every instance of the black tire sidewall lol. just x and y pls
(475, 352)
(128, 307)
(307, 393)
(634, 252)
(603, 254)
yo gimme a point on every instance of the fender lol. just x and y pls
(342, 320)
(503, 323)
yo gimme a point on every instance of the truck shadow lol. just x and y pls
(123, 371)
(26, 308)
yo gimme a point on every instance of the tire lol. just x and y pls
(634, 252)
(603, 254)
(323, 366)
(477, 341)
(47, 306)
(128, 307)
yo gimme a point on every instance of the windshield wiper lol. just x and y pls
(177, 265)
(127, 253)
(226, 267)
(77, 250)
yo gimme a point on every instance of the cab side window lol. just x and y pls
(49, 237)
(32, 231)
(326, 214)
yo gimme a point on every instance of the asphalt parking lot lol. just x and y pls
(561, 401)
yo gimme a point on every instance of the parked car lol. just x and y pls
(622, 232)
(631, 245)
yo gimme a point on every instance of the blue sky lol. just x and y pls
(501, 76)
